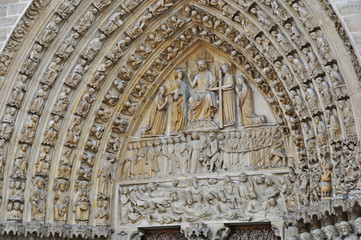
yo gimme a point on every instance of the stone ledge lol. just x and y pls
(54, 229)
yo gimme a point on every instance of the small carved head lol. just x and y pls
(179, 73)
(12, 184)
(39, 182)
(306, 236)
(130, 146)
(62, 185)
(345, 228)
(272, 202)
(202, 65)
(227, 179)
(253, 195)
(195, 136)
(212, 136)
(268, 181)
(225, 68)
(358, 225)
(243, 177)
(162, 90)
(241, 80)
(331, 231)
(260, 179)
(318, 234)
(83, 185)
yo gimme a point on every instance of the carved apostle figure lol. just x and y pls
(21, 162)
(178, 93)
(7, 125)
(61, 201)
(85, 102)
(77, 74)
(333, 124)
(113, 23)
(32, 62)
(246, 103)
(68, 46)
(74, 132)
(39, 100)
(82, 203)
(128, 162)
(195, 154)
(101, 4)
(158, 116)
(50, 32)
(67, 8)
(94, 47)
(52, 72)
(86, 21)
(245, 187)
(52, 131)
(62, 102)
(106, 175)
(29, 129)
(213, 152)
(184, 152)
(154, 162)
(202, 101)
(43, 164)
(229, 110)
(38, 199)
(102, 214)
(19, 91)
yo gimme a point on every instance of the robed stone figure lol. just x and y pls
(158, 117)
(229, 109)
(246, 103)
(202, 102)
(179, 107)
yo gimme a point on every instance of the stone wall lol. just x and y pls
(349, 11)
(10, 10)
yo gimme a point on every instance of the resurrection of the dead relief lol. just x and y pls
(124, 116)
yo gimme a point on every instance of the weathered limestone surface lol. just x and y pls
(10, 12)
(350, 13)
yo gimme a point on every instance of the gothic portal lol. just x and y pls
(173, 119)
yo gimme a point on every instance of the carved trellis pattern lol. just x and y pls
(252, 232)
(167, 234)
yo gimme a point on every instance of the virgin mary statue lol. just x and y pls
(246, 103)
(158, 117)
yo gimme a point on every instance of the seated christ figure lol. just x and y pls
(202, 102)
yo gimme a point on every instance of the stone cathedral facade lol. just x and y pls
(174, 119)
